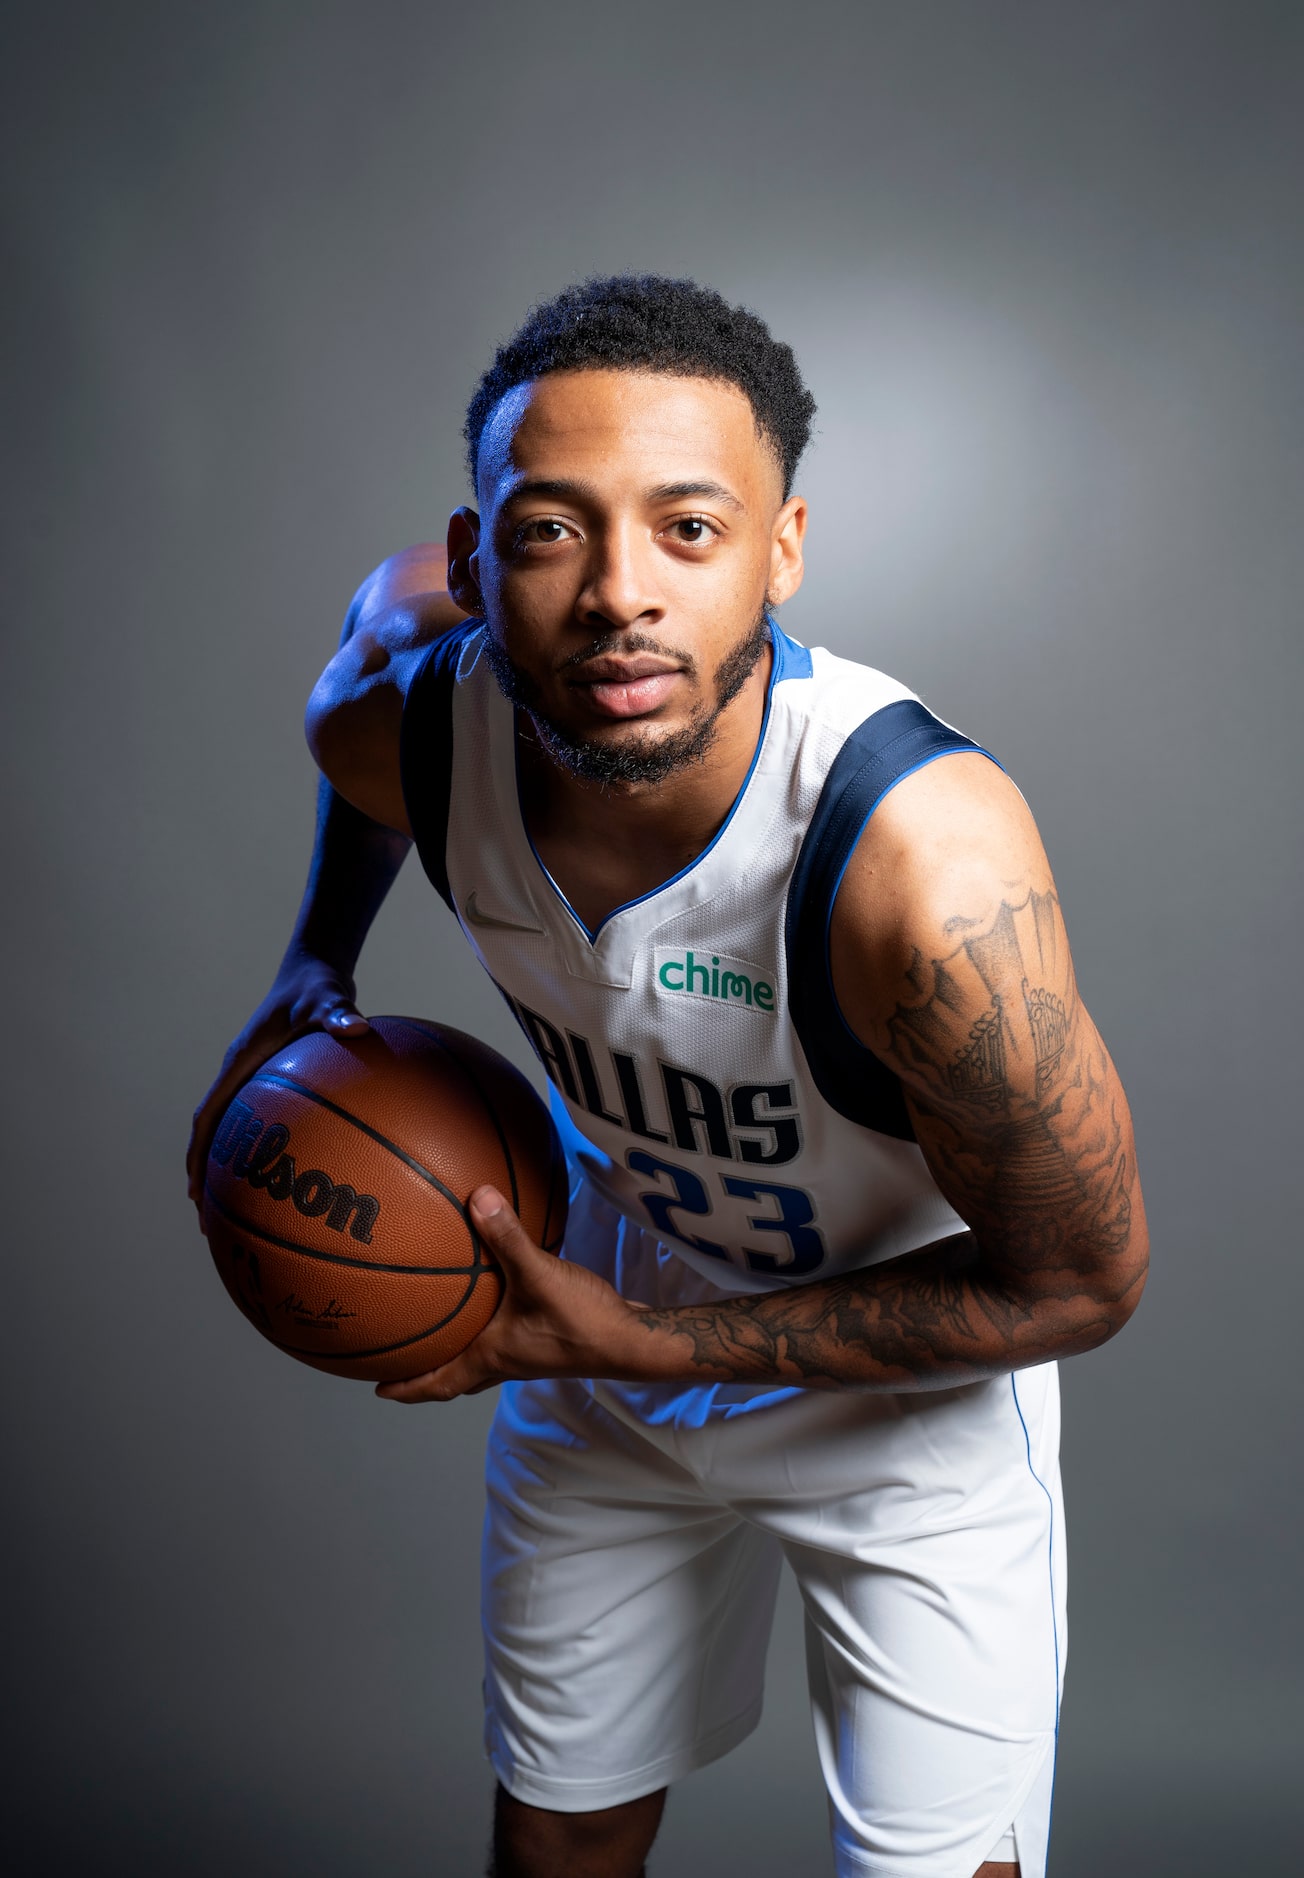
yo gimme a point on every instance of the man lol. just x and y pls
(851, 1166)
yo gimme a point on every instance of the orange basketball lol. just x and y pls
(336, 1190)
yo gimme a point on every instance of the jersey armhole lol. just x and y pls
(889, 746)
(426, 752)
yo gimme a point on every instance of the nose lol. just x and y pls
(621, 589)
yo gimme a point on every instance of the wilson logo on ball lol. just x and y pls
(256, 1151)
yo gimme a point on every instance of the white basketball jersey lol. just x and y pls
(703, 1077)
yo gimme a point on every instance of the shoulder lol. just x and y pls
(354, 715)
(868, 767)
(910, 807)
(401, 609)
(413, 579)
(954, 829)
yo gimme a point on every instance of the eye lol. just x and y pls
(542, 532)
(692, 530)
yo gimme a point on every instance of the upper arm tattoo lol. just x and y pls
(1017, 1106)
(963, 1039)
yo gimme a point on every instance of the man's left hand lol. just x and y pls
(554, 1319)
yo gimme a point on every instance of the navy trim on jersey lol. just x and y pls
(885, 749)
(790, 661)
(426, 752)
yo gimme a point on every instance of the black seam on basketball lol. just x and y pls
(302, 1088)
(471, 1274)
(338, 1258)
(474, 1081)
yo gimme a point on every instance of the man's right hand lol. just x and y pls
(308, 994)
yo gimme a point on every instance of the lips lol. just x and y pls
(627, 687)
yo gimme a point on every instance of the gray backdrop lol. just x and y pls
(1042, 266)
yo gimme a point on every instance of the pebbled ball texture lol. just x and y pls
(336, 1189)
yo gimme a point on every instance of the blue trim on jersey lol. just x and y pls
(426, 751)
(1050, 1566)
(889, 746)
(790, 660)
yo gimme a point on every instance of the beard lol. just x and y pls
(646, 758)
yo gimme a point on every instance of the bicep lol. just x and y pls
(951, 962)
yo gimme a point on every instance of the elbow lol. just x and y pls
(352, 730)
(1111, 1294)
(1128, 1266)
(1126, 1304)
(314, 716)
(335, 752)
(321, 721)
(335, 717)
(327, 737)
(1109, 1316)
(1114, 1264)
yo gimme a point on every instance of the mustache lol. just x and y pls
(622, 642)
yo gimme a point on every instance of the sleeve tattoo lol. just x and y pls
(1019, 1113)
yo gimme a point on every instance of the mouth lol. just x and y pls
(629, 687)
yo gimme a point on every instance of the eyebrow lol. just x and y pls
(713, 492)
(576, 489)
(560, 486)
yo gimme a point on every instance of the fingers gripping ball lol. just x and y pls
(335, 1196)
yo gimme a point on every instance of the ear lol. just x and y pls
(786, 563)
(463, 553)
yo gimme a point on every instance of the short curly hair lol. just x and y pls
(648, 322)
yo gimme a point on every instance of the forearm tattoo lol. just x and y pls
(1020, 1115)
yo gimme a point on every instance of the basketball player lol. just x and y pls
(850, 1164)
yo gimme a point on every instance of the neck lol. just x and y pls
(606, 844)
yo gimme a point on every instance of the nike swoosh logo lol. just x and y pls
(477, 918)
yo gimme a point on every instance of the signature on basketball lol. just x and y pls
(322, 1316)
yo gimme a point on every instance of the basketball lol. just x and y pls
(335, 1197)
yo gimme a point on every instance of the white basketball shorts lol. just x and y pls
(633, 1541)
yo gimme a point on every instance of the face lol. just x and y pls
(633, 530)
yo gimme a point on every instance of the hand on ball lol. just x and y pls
(554, 1319)
(309, 994)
